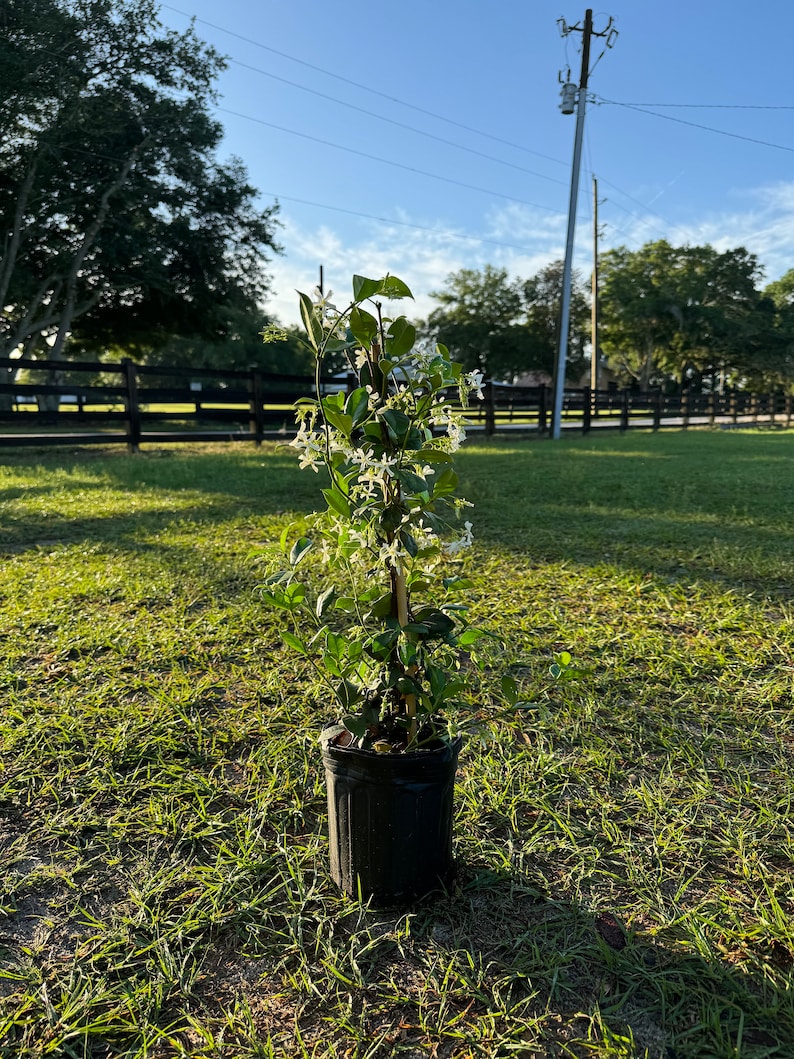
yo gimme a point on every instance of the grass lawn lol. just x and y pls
(624, 847)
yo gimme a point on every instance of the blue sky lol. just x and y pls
(420, 138)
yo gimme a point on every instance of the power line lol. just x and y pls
(387, 161)
(393, 121)
(403, 224)
(339, 209)
(365, 88)
(694, 124)
(706, 106)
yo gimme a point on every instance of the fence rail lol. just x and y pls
(135, 404)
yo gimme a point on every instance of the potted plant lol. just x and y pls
(371, 590)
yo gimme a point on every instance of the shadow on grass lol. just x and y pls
(506, 950)
(713, 505)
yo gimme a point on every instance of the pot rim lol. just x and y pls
(440, 746)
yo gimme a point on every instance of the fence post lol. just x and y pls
(542, 410)
(711, 408)
(789, 404)
(490, 409)
(624, 410)
(684, 408)
(657, 409)
(256, 423)
(586, 409)
(133, 408)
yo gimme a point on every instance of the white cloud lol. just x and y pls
(424, 257)
(763, 224)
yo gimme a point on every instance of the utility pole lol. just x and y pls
(565, 313)
(594, 299)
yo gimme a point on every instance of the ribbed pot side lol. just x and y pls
(389, 819)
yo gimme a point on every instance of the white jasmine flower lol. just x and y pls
(474, 380)
(392, 553)
(323, 301)
(311, 446)
(463, 542)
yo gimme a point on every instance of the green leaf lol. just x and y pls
(406, 652)
(433, 456)
(364, 327)
(394, 289)
(340, 420)
(401, 337)
(336, 644)
(437, 622)
(365, 288)
(381, 646)
(458, 582)
(337, 502)
(294, 643)
(408, 542)
(397, 423)
(391, 517)
(299, 549)
(314, 328)
(345, 603)
(407, 686)
(356, 724)
(382, 606)
(469, 637)
(445, 483)
(324, 601)
(277, 598)
(357, 406)
(413, 482)
(509, 688)
(295, 593)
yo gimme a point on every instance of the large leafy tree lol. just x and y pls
(508, 328)
(479, 319)
(121, 225)
(542, 300)
(678, 313)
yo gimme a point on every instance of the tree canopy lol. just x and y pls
(506, 328)
(121, 225)
(679, 312)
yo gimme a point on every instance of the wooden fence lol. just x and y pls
(68, 402)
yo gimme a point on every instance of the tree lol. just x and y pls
(508, 328)
(677, 313)
(479, 321)
(122, 226)
(774, 363)
(542, 299)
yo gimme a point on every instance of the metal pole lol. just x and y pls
(594, 306)
(565, 313)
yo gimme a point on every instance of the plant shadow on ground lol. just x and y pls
(557, 977)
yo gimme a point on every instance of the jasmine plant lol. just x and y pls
(372, 586)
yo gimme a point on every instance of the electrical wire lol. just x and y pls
(393, 121)
(693, 124)
(386, 161)
(365, 88)
(707, 106)
(402, 224)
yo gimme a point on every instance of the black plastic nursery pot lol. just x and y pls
(389, 819)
